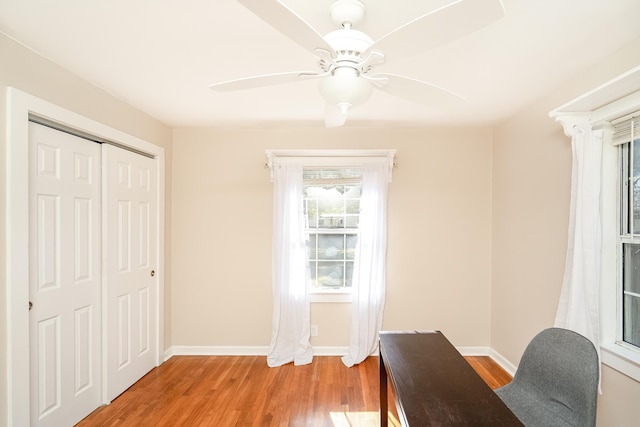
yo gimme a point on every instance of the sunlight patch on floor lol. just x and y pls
(360, 419)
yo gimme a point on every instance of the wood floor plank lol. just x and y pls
(231, 391)
(490, 371)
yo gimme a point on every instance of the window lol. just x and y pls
(330, 217)
(629, 236)
(620, 283)
(335, 184)
(608, 110)
(332, 213)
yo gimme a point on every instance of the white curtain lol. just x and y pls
(578, 308)
(369, 275)
(290, 324)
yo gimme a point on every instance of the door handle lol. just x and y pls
(30, 305)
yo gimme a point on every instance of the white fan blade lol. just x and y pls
(287, 22)
(371, 60)
(333, 117)
(263, 80)
(458, 18)
(419, 91)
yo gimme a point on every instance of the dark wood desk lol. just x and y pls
(434, 385)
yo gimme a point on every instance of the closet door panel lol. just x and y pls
(131, 286)
(65, 232)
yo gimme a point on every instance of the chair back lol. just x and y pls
(559, 374)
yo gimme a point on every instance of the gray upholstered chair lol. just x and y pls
(556, 383)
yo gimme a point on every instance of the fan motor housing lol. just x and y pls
(348, 43)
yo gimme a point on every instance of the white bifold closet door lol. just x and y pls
(93, 254)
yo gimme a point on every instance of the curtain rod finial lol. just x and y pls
(572, 121)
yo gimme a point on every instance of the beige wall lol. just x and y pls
(438, 248)
(28, 72)
(531, 194)
(531, 186)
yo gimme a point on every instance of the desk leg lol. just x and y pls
(384, 403)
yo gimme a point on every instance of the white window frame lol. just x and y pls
(600, 107)
(331, 159)
(343, 293)
(615, 352)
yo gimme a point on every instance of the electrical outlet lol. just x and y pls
(314, 330)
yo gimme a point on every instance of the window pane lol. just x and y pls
(631, 294)
(352, 192)
(631, 273)
(313, 273)
(635, 179)
(353, 206)
(331, 274)
(349, 273)
(624, 189)
(331, 246)
(352, 221)
(631, 320)
(313, 247)
(311, 213)
(332, 206)
(331, 213)
(352, 240)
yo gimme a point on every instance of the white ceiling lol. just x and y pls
(161, 55)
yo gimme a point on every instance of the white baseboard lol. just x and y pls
(503, 362)
(194, 350)
(317, 351)
(168, 353)
(330, 351)
(243, 351)
(474, 351)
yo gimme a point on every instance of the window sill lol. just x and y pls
(621, 359)
(330, 296)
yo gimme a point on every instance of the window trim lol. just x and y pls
(329, 158)
(613, 100)
(330, 295)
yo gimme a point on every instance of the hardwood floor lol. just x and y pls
(242, 391)
(490, 371)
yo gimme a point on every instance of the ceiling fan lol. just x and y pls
(347, 57)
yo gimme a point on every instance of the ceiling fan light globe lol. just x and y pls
(345, 90)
